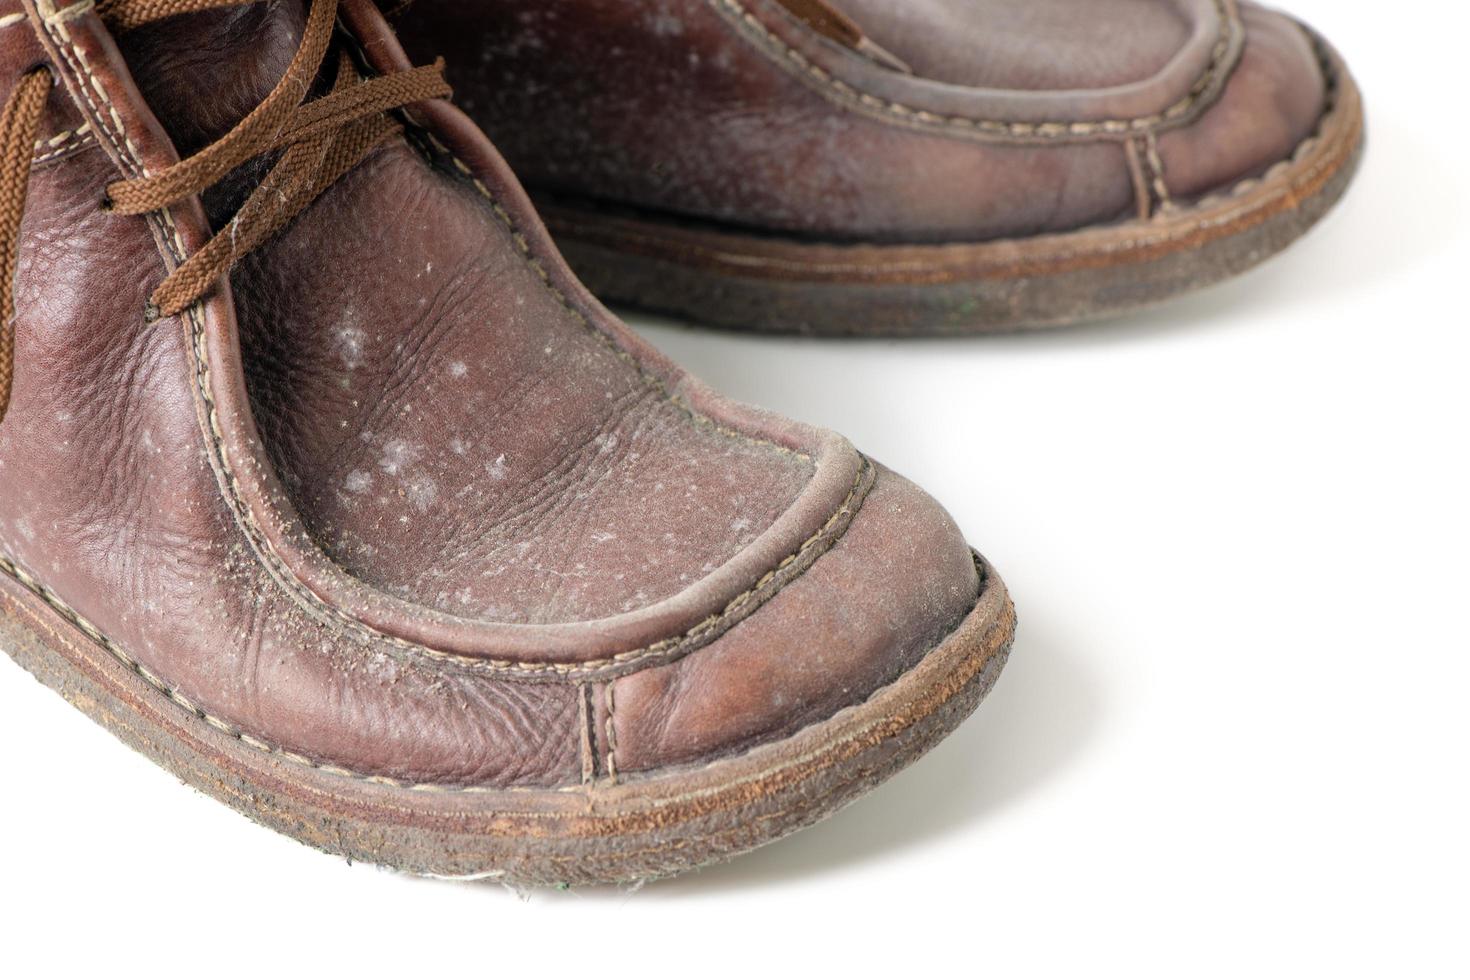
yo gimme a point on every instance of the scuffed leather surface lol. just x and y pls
(164, 521)
(668, 107)
(907, 579)
(1272, 103)
(494, 460)
(1027, 44)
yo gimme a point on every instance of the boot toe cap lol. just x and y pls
(1273, 102)
(892, 588)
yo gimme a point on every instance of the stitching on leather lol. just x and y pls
(654, 383)
(62, 137)
(1143, 200)
(585, 735)
(117, 133)
(612, 736)
(62, 144)
(1156, 171)
(158, 684)
(1333, 82)
(1148, 176)
(1045, 130)
(1277, 170)
(10, 20)
(314, 604)
(75, 619)
(173, 241)
(276, 566)
(52, 14)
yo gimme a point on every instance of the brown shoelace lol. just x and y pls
(319, 142)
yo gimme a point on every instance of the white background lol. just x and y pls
(1233, 736)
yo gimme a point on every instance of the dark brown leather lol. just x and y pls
(401, 497)
(1017, 117)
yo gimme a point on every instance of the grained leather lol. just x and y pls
(1019, 118)
(400, 497)
(1040, 45)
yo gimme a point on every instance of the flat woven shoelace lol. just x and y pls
(318, 141)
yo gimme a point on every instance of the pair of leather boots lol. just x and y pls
(328, 485)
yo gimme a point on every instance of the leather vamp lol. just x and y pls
(448, 428)
(470, 443)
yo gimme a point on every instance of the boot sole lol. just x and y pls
(635, 829)
(736, 279)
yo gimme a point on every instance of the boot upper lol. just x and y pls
(397, 498)
(930, 121)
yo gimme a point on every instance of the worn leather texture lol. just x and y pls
(1028, 44)
(400, 497)
(1016, 118)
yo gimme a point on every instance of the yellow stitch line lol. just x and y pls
(1302, 150)
(58, 16)
(1228, 23)
(72, 56)
(83, 130)
(155, 682)
(1156, 170)
(266, 548)
(10, 20)
(63, 150)
(612, 734)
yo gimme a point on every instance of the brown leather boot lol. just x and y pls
(325, 484)
(925, 166)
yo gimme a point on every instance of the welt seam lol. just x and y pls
(132, 161)
(1051, 130)
(59, 607)
(1305, 147)
(277, 568)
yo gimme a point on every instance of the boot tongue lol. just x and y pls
(202, 73)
